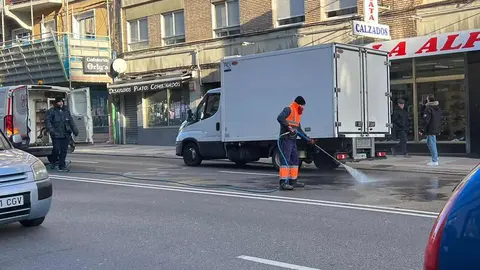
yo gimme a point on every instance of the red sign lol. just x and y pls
(463, 41)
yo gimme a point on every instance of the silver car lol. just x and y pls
(25, 187)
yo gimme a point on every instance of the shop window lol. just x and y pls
(137, 34)
(441, 65)
(340, 8)
(405, 92)
(451, 97)
(227, 18)
(167, 107)
(290, 12)
(173, 28)
(99, 100)
(401, 70)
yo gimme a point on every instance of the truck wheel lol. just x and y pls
(191, 155)
(323, 162)
(276, 157)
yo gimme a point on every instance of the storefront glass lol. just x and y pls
(401, 70)
(442, 65)
(99, 101)
(451, 98)
(405, 92)
(167, 107)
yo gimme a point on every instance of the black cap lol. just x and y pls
(400, 101)
(58, 99)
(300, 100)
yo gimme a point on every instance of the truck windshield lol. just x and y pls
(4, 144)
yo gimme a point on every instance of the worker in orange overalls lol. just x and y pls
(289, 120)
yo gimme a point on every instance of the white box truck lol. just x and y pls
(23, 109)
(347, 90)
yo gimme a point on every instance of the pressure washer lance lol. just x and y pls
(303, 136)
(356, 174)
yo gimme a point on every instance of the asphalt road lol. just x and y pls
(100, 221)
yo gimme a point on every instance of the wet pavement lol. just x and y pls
(419, 191)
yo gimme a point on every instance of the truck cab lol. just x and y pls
(199, 136)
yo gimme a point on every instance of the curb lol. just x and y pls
(388, 169)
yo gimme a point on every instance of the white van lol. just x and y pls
(23, 109)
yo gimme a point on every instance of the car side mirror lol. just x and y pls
(189, 115)
(17, 138)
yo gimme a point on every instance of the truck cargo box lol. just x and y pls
(347, 90)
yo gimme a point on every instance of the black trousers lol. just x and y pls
(59, 151)
(402, 136)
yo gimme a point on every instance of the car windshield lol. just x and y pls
(4, 144)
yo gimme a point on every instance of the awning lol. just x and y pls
(159, 83)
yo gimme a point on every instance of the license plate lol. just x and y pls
(11, 202)
(364, 143)
(361, 156)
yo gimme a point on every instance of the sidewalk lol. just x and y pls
(448, 165)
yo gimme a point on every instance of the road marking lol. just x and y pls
(249, 173)
(84, 161)
(275, 263)
(371, 208)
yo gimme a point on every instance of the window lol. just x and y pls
(208, 107)
(48, 28)
(167, 107)
(173, 28)
(340, 8)
(451, 98)
(401, 70)
(227, 19)
(84, 25)
(290, 12)
(138, 34)
(442, 65)
(21, 35)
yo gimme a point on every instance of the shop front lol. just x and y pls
(442, 65)
(149, 112)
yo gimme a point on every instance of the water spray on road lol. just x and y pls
(356, 174)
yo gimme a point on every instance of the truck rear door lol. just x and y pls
(19, 122)
(377, 91)
(80, 108)
(349, 89)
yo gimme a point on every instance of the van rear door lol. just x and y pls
(20, 121)
(80, 108)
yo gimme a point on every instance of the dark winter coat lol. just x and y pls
(432, 119)
(59, 123)
(400, 119)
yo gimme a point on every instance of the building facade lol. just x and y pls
(63, 43)
(173, 47)
(441, 60)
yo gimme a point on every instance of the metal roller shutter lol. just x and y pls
(131, 127)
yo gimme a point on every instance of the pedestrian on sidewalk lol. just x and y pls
(431, 126)
(60, 125)
(401, 124)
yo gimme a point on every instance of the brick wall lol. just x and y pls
(255, 15)
(198, 20)
(155, 30)
(312, 11)
(399, 17)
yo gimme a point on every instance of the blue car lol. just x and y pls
(454, 241)
(25, 187)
